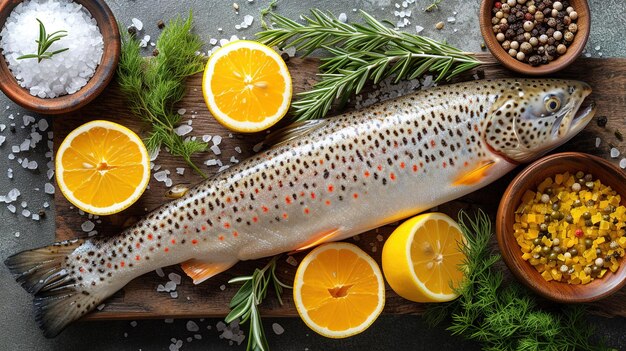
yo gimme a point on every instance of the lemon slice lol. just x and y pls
(421, 258)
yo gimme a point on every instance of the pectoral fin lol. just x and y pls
(474, 175)
(318, 239)
(200, 270)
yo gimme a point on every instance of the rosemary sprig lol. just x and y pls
(433, 6)
(244, 304)
(505, 317)
(360, 52)
(154, 86)
(44, 43)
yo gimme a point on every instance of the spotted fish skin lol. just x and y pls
(341, 177)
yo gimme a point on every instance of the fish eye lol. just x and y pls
(552, 104)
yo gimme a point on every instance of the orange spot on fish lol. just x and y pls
(173, 241)
(81, 269)
(204, 227)
(367, 174)
(122, 264)
(226, 225)
(395, 144)
(380, 168)
(137, 258)
(150, 236)
(414, 168)
(235, 234)
(109, 265)
(402, 165)
(269, 188)
(432, 143)
(355, 195)
(185, 226)
(255, 219)
(476, 127)
(331, 188)
(228, 200)
(465, 164)
(265, 209)
(322, 161)
(221, 237)
(203, 211)
(288, 200)
(285, 215)
(194, 241)
(138, 245)
(302, 193)
(167, 249)
(445, 164)
(392, 176)
(313, 196)
(306, 211)
(256, 191)
(327, 202)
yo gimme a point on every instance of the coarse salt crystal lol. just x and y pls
(137, 23)
(170, 286)
(182, 111)
(222, 287)
(11, 208)
(100, 307)
(184, 129)
(25, 213)
(180, 170)
(614, 152)
(248, 19)
(2, 139)
(176, 278)
(35, 217)
(342, 17)
(160, 176)
(213, 41)
(598, 141)
(42, 125)
(217, 140)
(48, 188)
(174, 294)
(211, 162)
(292, 261)
(622, 163)
(87, 226)
(277, 328)
(192, 326)
(133, 324)
(216, 149)
(25, 145)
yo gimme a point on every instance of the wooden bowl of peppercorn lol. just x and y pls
(511, 252)
(548, 24)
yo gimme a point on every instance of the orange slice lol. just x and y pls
(102, 167)
(247, 86)
(421, 258)
(338, 290)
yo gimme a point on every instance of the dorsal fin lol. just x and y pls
(293, 131)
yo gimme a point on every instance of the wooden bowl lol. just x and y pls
(529, 179)
(573, 51)
(101, 78)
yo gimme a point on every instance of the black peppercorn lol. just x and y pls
(161, 24)
(132, 31)
(601, 121)
(12, 129)
(551, 50)
(534, 60)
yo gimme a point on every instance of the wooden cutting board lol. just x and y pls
(139, 299)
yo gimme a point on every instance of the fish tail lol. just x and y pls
(58, 298)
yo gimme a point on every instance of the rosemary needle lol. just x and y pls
(44, 42)
(359, 53)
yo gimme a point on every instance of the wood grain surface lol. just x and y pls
(139, 299)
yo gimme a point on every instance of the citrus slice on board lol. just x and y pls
(102, 167)
(338, 290)
(421, 258)
(247, 86)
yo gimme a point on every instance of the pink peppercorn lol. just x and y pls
(529, 16)
(579, 233)
(498, 4)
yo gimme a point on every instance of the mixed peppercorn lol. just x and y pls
(534, 31)
(572, 229)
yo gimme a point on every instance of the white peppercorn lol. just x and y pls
(532, 9)
(514, 45)
(557, 6)
(554, 13)
(512, 52)
(521, 2)
(552, 22)
(569, 10)
(561, 49)
(511, 2)
(506, 45)
(527, 36)
(500, 37)
(503, 21)
(495, 20)
(526, 48)
(557, 35)
(569, 36)
(505, 8)
(543, 38)
(533, 41)
(528, 26)
(573, 28)
(520, 56)
(499, 14)
(573, 15)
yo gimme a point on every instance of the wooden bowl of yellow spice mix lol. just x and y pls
(561, 227)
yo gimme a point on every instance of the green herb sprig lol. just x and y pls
(244, 304)
(360, 52)
(433, 6)
(505, 317)
(154, 86)
(44, 42)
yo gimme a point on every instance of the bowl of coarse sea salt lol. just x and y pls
(56, 55)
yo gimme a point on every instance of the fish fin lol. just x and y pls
(474, 175)
(59, 299)
(201, 270)
(318, 239)
(293, 131)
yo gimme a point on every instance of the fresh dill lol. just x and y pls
(244, 305)
(153, 86)
(433, 6)
(505, 317)
(44, 42)
(360, 52)
(266, 11)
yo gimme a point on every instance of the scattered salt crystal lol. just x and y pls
(35, 217)
(418, 29)
(223, 168)
(24, 204)
(213, 41)
(87, 226)
(32, 165)
(170, 286)
(184, 129)
(2, 127)
(92, 233)
(614, 152)
(159, 272)
(182, 111)
(233, 159)
(15, 148)
(342, 17)
(13, 195)
(10, 173)
(380, 238)
(217, 140)
(46, 204)
(598, 141)
(451, 19)
(222, 287)
(220, 326)
(597, 48)
(277, 328)
(237, 26)
(25, 213)
(27, 120)
(174, 294)
(133, 324)
(197, 336)
(42, 125)
(223, 42)
(247, 19)
(237, 149)
(144, 42)
(2, 139)
(192, 326)
(160, 288)
(17, 234)
(168, 182)
(168, 320)
(292, 261)
(137, 23)
(622, 163)
(180, 170)
(25, 145)
(11, 208)
(257, 147)
(291, 51)
(211, 162)
(160, 176)
(176, 278)
(216, 149)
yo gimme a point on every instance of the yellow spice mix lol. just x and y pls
(572, 229)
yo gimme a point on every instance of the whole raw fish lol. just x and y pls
(329, 180)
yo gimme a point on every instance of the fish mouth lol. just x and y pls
(585, 113)
(577, 116)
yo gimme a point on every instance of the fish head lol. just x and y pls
(531, 117)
